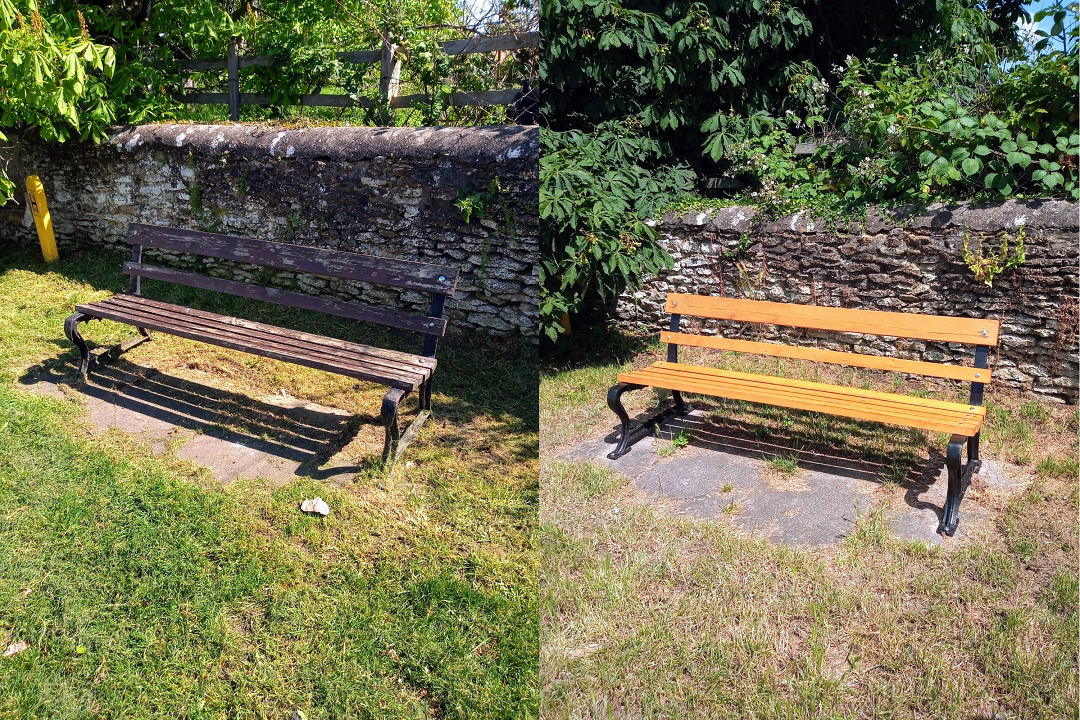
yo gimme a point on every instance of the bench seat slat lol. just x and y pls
(299, 258)
(914, 367)
(971, 331)
(403, 357)
(384, 316)
(779, 384)
(259, 338)
(923, 413)
(398, 370)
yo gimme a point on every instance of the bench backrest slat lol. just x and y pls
(970, 331)
(299, 258)
(384, 316)
(914, 367)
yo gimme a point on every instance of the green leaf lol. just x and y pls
(971, 166)
(1019, 158)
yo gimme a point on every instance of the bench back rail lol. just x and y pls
(437, 280)
(982, 333)
(969, 331)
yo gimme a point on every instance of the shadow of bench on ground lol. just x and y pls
(232, 434)
(744, 440)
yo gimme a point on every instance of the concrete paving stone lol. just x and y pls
(723, 478)
(282, 437)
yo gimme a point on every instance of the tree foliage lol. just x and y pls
(908, 101)
(70, 68)
(52, 75)
(599, 197)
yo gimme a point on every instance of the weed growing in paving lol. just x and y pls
(679, 440)
(785, 465)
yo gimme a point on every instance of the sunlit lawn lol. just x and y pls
(144, 589)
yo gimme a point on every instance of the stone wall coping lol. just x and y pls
(988, 217)
(510, 144)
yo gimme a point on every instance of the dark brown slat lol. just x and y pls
(374, 364)
(319, 364)
(317, 261)
(356, 311)
(406, 358)
(318, 100)
(382, 366)
(333, 343)
(395, 367)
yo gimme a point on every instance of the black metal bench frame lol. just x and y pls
(437, 281)
(959, 474)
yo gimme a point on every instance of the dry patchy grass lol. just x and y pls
(647, 615)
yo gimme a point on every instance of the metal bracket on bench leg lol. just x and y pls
(117, 350)
(614, 401)
(71, 330)
(959, 479)
(396, 442)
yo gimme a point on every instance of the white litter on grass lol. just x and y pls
(318, 505)
(15, 648)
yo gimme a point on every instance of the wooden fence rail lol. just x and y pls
(389, 80)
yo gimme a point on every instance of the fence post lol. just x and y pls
(232, 62)
(390, 80)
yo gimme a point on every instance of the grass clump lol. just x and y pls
(1058, 467)
(784, 465)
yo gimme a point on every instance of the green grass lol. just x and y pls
(672, 446)
(783, 464)
(647, 614)
(1061, 467)
(145, 589)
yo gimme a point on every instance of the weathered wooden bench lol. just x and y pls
(401, 372)
(961, 421)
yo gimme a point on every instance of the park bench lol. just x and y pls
(961, 421)
(401, 372)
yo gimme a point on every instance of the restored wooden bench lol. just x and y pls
(962, 421)
(401, 372)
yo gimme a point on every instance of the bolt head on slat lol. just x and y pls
(984, 333)
(442, 278)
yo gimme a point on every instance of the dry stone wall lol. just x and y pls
(381, 191)
(902, 262)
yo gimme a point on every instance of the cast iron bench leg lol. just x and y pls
(396, 442)
(71, 330)
(959, 479)
(614, 401)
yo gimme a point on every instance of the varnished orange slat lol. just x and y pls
(915, 367)
(779, 383)
(966, 426)
(970, 331)
(926, 414)
(824, 394)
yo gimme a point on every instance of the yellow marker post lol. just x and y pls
(41, 218)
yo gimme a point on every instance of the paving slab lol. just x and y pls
(726, 478)
(275, 438)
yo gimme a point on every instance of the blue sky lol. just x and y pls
(1033, 7)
